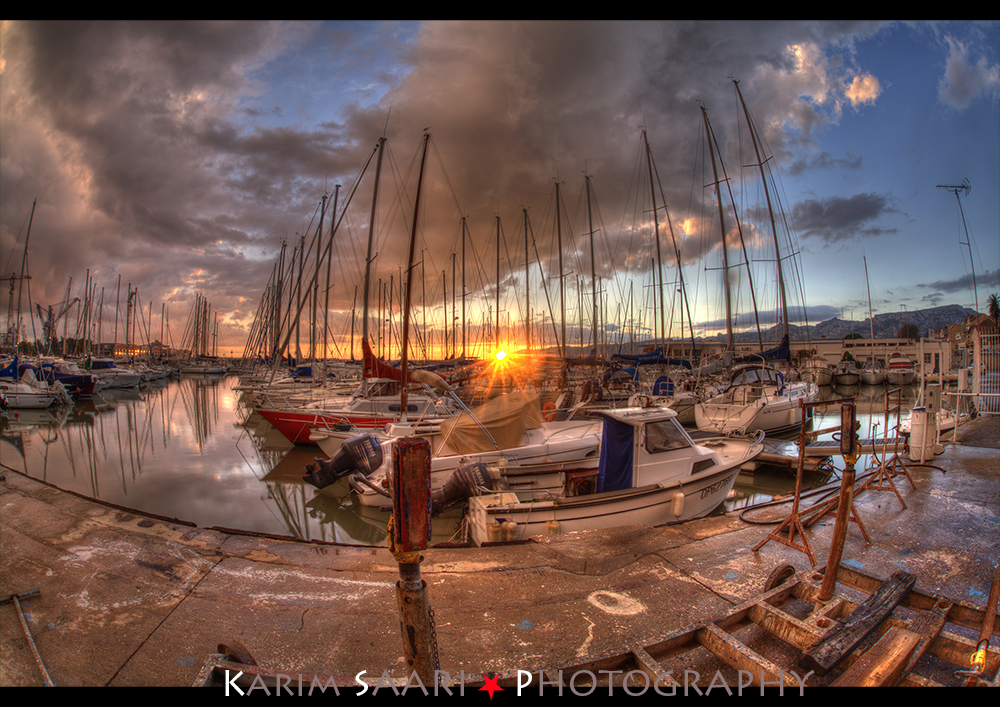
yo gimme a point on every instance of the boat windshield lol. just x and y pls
(664, 436)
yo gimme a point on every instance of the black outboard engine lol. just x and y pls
(469, 480)
(362, 453)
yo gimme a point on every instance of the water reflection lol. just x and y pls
(190, 449)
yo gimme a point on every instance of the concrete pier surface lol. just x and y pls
(126, 600)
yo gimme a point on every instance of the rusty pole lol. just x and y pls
(409, 532)
(850, 448)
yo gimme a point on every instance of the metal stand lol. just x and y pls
(793, 523)
(882, 481)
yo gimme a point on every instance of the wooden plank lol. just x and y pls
(647, 664)
(826, 653)
(784, 626)
(741, 657)
(884, 663)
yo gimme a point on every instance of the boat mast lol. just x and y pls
(562, 288)
(656, 226)
(725, 253)
(593, 267)
(463, 288)
(368, 256)
(770, 211)
(409, 281)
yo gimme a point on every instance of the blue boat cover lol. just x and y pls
(653, 358)
(615, 470)
(781, 352)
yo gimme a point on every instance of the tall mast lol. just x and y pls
(656, 226)
(725, 249)
(593, 266)
(409, 281)
(497, 334)
(527, 283)
(371, 233)
(770, 211)
(463, 287)
(562, 290)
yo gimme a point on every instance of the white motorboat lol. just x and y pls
(651, 472)
(757, 399)
(113, 375)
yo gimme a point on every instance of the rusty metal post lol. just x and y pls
(409, 532)
(850, 448)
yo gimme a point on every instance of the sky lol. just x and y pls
(180, 158)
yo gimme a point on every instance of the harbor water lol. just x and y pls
(189, 449)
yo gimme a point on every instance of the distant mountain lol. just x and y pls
(887, 326)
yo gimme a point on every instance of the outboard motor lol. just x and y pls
(469, 480)
(362, 453)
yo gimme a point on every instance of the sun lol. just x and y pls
(501, 355)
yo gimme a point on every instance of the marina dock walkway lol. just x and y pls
(125, 600)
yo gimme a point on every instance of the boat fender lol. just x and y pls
(677, 505)
(549, 412)
(493, 532)
(553, 527)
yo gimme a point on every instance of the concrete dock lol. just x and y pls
(127, 600)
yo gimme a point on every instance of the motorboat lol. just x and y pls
(650, 472)
(757, 399)
(113, 375)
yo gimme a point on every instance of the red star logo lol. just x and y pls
(491, 685)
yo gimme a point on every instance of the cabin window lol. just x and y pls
(664, 436)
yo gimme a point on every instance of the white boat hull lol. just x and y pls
(502, 517)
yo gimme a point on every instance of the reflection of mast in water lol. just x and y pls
(201, 402)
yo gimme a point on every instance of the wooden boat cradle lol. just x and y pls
(785, 622)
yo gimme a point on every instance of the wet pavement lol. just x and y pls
(124, 599)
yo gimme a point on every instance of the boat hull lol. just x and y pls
(502, 518)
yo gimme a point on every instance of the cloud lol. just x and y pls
(863, 89)
(180, 155)
(837, 219)
(965, 80)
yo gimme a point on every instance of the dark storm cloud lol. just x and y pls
(838, 219)
(162, 143)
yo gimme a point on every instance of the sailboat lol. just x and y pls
(872, 372)
(757, 398)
